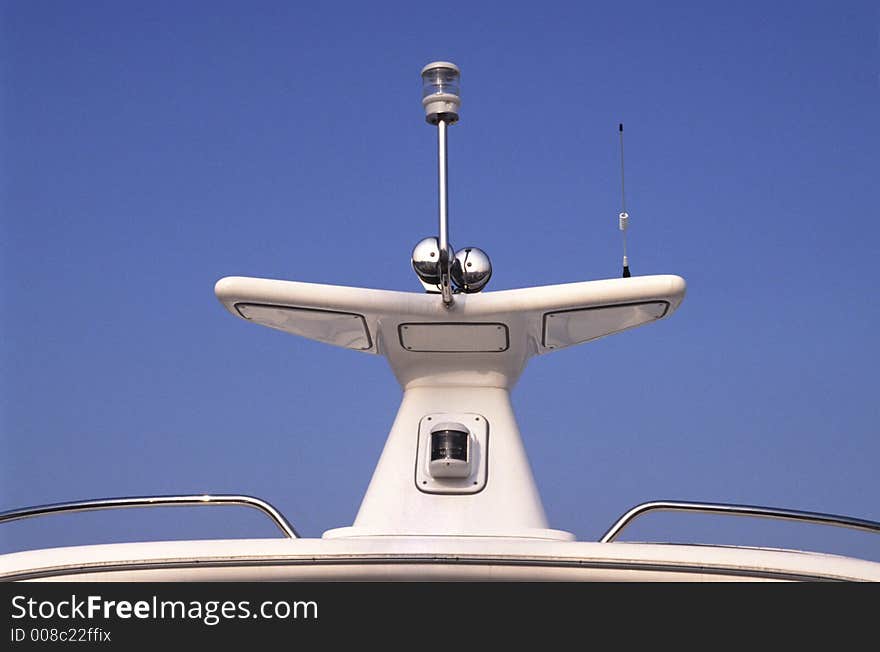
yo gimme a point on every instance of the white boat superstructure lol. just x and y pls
(427, 559)
(433, 557)
(452, 496)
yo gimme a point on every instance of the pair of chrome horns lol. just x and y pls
(470, 269)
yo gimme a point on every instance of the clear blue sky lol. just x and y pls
(151, 148)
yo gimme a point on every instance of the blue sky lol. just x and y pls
(151, 148)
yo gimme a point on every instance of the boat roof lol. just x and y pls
(427, 558)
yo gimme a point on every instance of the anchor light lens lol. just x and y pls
(449, 445)
(440, 78)
(440, 92)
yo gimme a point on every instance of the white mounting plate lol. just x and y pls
(442, 337)
(479, 432)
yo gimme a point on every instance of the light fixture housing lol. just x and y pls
(440, 92)
(450, 451)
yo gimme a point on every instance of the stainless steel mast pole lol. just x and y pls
(445, 285)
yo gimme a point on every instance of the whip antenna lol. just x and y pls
(623, 218)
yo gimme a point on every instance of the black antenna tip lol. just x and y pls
(621, 127)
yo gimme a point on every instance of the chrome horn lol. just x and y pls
(471, 269)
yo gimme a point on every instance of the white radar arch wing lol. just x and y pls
(480, 339)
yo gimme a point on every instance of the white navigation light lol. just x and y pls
(440, 92)
(450, 451)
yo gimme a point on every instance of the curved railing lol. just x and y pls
(726, 509)
(153, 501)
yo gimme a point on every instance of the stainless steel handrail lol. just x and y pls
(153, 501)
(727, 509)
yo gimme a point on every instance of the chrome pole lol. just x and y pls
(445, 285)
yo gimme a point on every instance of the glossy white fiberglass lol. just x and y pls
(462, 358)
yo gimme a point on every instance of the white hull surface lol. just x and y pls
(427, 559)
